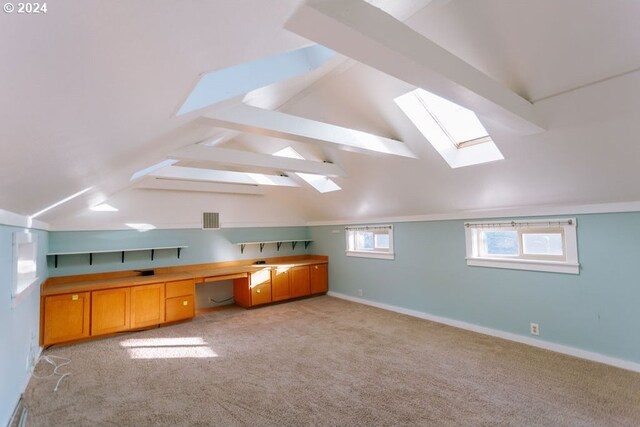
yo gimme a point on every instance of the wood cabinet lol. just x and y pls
(110, 311)
(290, 282)
(260, 283)
(147, 305)
(180, 301)
(299, 279)
(319, 278)
(75, 308)
(280, 286)
(66, 317)
(253, 290)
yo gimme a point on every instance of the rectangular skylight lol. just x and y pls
(461, 125)
(320, 182)
(454, 131)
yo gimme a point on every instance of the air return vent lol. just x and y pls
(210, 220)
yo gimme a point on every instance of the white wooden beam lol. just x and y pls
(367, 34)
(226, 156)
(152, 183)
(210, 175)
(285, 126)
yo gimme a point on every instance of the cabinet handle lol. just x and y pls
(185, 302)
(74, 297)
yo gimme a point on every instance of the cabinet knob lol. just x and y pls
(74, 297)
(185, 302)
(316, 267)
(257, 291)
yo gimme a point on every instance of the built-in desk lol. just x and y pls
(80, 307)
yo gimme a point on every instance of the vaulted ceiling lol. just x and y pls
(93, 90)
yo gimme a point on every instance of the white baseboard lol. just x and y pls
(559, 348)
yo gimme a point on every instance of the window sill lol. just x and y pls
(377, 255)
(16, 299)
(522, 264)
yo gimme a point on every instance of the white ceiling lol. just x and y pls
(91, 91)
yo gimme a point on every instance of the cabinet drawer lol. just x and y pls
(180, 288)
(179, 308)
(261, 293)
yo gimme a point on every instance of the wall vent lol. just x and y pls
(210, 220)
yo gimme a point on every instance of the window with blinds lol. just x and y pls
(541, 245)
(373, 241)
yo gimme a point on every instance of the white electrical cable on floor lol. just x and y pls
(50, 360)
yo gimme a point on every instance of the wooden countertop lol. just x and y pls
(223, 272)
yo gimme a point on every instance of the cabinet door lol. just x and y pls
(66, 317)
(147, 305)
(180, 308)
(261, 287)
(319, 279)
(299, 277)
(280, 287)
(110, 311)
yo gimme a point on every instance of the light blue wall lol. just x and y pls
(597, 310)
(19, 324)
(203, 247)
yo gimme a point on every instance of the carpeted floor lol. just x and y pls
(325, 361)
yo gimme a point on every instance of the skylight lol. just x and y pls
(103, 207)
(320, 182)
(454, 131)
(461, 125)
(239, 79)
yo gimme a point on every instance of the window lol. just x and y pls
(541, 245)
(374, 241)
(454, 131)
(25, 246)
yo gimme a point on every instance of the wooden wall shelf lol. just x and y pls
(153, 250)
(277, 242)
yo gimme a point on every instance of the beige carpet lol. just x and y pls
(324, 361)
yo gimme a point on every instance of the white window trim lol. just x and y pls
(26, 286)
(569, 266)
(390, 254)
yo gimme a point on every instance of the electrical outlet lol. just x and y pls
(535, 329)
(360, 293)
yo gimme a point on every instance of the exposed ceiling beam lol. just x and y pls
(248, 159)
(285, 126)
(369, 35)
(210, 175)
(198, 186)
